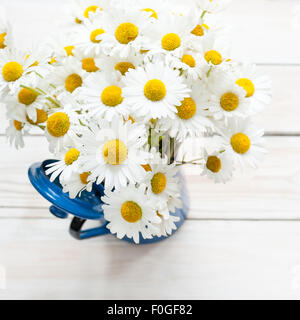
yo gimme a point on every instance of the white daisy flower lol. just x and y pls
(6, 37)
(212, 6)
(15, 133)
(199, 30)
(191, 117)
(156, 8)
(69, 77)
(88, 36)
(76, 12)
(171, 36)
(118, 67)
(218, 166)
(60, 47)
(39, 53)
(130, 213)
(76, 183)
(24, 103)
(126, 31)
(162, 183)
(207, 26)
(214, 53)
(154, 91)
(227, 99)
(113, 153)
(244, 142)
(166, 227)
(103, 98)
(61, 129)
(90, 62)
(189, 64)
(65, 167)
(174, 202)
(14, 66)
(257, 87)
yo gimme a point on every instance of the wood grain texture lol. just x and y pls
(221, 252)
(272, 192)
(262, 31)
(204, 260)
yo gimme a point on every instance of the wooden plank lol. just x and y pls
(281, 116)
(204, 260)
(268, 193)
(256, 27)
(261, 30)
(15, 189)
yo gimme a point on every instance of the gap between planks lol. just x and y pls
(268, 193)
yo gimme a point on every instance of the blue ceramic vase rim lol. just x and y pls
(53, 193)
(89, 205)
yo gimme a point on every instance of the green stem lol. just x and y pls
(172, 150)
(203, 14)
(189, 162)
(42, 127)
(209, 71)
(55, 103)
(30, 89)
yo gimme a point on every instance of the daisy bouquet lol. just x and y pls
(120, 90)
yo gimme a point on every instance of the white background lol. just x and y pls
(241, 240)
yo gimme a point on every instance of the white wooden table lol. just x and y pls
(241, 240)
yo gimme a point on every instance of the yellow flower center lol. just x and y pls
(187, 109)
(78, 21)
(27, 96)
(112, 96)
(158, 183)
(69, 50)
(189, 60)
(214, 164)
(154, 14)
(95, 34)
(58, 124)
(123, 67)
(89, 65)
(159, 215)
(247, 85)
(88, 10)
(2, 39)
(130, 118)
(240, 143)
(72, 82)
(84, 177)
(131, 212)
(35, 64)
(213, 56)
(18, 125)
(170, 41)
(12, 71)
(229, 101)
(71, 156)
(198, 31)
(155, 90)
(126, 32)
(53, 60)
(41, 117)
(147, 167)
(114, 152)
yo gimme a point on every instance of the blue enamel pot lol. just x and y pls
(86, 207)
